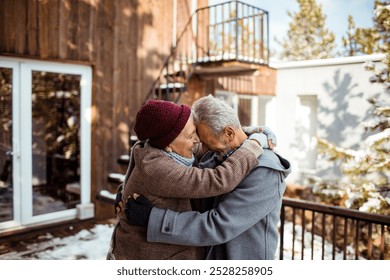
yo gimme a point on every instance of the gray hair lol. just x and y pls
(215, 113)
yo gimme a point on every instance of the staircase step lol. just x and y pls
(172, 86)
(116, 178)
(179, 69)
(106, 196)
(124, 159)
(133, 140)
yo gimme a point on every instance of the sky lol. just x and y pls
(336, 12)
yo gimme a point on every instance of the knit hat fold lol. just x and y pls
(161, 122)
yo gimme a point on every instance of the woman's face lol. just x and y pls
(185, 142)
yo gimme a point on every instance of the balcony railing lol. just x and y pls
(232, 31)
(329, 232)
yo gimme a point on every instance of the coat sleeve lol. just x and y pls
(238, 211)
(166, 178)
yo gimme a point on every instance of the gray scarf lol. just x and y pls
(180, 159)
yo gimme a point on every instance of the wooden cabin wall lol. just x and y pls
(126, 43)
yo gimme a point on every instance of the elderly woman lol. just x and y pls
(161, 168)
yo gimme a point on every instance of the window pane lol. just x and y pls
(55, 141)
(6, 188)
(245, 111)
(306, 127)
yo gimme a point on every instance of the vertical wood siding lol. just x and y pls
(125, 41)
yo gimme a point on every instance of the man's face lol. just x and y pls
(216, 143)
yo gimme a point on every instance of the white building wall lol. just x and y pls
(325, 98)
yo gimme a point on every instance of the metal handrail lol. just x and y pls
(337, 211)
(342, 228)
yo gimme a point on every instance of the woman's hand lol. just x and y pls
(264, 129)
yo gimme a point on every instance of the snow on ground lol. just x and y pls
(89, 244)
(93, 244)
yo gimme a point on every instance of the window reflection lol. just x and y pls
(6, 188)
(55, 141)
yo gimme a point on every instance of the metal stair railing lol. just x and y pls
(172, 61)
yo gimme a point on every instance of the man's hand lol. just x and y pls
(138, 210)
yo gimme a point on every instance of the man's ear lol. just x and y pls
(229, 132)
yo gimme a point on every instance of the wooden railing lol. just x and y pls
(330, 232)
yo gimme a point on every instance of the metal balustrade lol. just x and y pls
(351, 234)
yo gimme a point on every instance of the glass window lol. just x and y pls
(55, 141)
(6, 188)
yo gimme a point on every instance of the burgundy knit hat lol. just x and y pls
(161, 122)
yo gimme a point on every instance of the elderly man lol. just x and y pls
(242, 224)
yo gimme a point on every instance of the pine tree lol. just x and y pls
(360, 40)
(307, 37)
(366, 172)
(382, 24)
(381, 108)
(350, 41)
